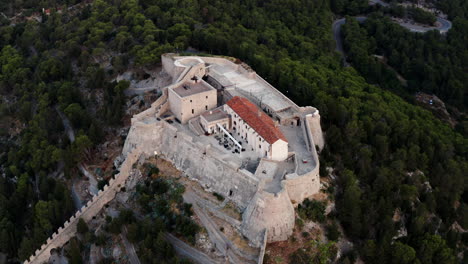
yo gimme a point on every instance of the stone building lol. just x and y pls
(211, 119)
(191, 98)
(251, 124)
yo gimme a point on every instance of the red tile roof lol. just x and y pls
(256, 119)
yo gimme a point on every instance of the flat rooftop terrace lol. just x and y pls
(191, 88)
(214, 115)
(251, 87)
(296, 144)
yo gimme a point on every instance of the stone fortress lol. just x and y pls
(225, 127)
(255, 146)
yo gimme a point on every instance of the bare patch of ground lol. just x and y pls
(280, 252)
(436, 106)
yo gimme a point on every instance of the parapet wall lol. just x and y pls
(87, 212)
(314, 129)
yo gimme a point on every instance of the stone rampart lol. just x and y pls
(167, 61)
(87, 212)
(302, 186)
(200, 162)
(271, 211)
(314, 129)
(267, 217)
(261, 255)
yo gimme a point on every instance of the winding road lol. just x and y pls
(132, 255)
(442, 25)
(187, 251)
(93, 189)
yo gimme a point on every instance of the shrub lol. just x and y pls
(299, 223)
(332, 231)
(218, 196)
(101, 184)
(82, 227)
(313, 210)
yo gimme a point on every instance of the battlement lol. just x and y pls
(87, 212)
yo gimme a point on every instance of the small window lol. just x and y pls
(190, 100)
(259, 146)
(193, 111)
(206, 107)
(207, 97)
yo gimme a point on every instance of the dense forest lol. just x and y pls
(401, 190)
(429, 62)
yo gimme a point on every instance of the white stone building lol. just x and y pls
(191, 98)
(252, 125)
(210, 120)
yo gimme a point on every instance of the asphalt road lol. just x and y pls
(132, 255)
(443, 26)
(337, 35)
(221, 242)
(93, 189)
(187, 251)
(378, 2)
(66, 125)
(76, 198)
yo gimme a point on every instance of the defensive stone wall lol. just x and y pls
(167, 62)
(198, 161)
(302, 186)
(314, 129)
(267, 217)
(87, 212)
(273, 212)
(261, 256)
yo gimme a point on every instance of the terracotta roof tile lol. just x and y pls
(256, 119)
